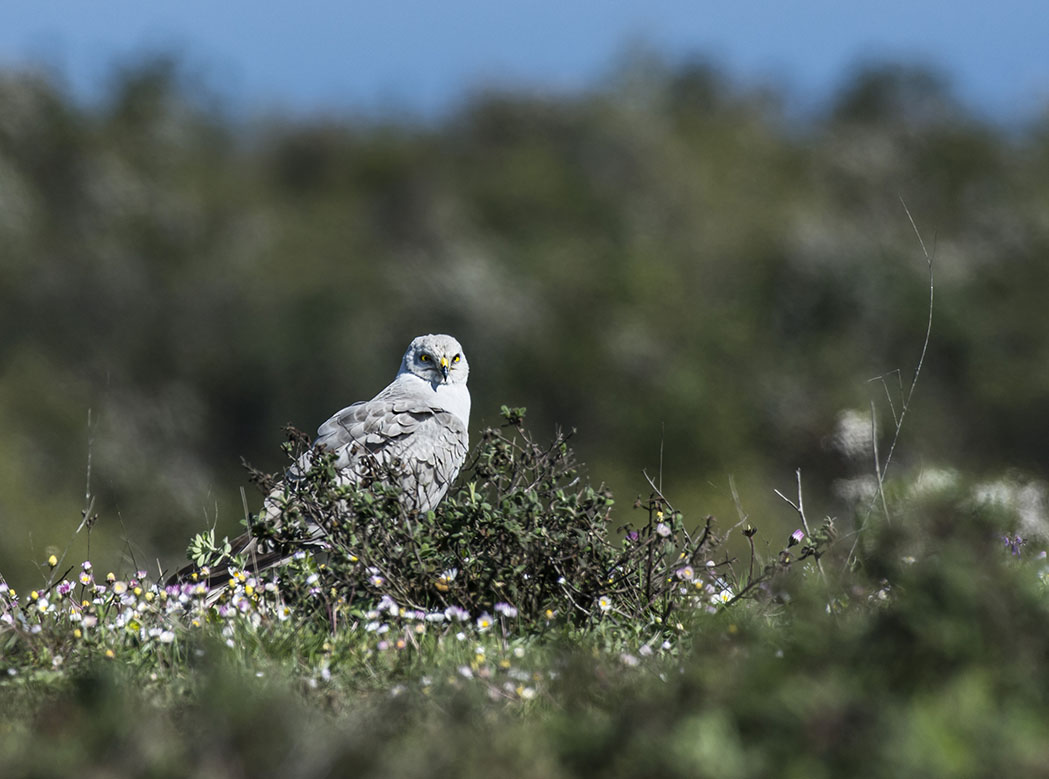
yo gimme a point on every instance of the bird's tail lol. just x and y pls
(244, 547)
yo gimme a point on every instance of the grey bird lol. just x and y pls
(416, 428)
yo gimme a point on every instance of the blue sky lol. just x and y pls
(423, 55)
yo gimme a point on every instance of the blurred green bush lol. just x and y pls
(684, 269)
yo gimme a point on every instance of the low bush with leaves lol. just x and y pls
(525, 535)
(525, 548)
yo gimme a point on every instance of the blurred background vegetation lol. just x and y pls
(695, 275)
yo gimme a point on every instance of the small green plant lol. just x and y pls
(204, 549)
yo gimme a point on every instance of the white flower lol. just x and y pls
(457, 613)
(604, 603)
(853, 435)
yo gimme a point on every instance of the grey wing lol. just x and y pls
(426, 446)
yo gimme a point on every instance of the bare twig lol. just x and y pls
(888, 395)
(877, 460)
(743, 516)
(800, 508)
(905, 405)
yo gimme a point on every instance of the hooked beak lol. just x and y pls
(444, 368)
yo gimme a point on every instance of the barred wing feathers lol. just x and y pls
(426, 445)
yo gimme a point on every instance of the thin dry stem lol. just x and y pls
(883, 467)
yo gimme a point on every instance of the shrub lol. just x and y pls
(525, 535)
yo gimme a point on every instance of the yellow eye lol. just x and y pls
(456, 358)
(424, 357)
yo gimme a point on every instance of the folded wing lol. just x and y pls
(425, 446)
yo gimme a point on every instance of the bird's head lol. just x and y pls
(438, 359)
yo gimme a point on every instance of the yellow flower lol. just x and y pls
(52, 561)
(77, 633)
(110, 654)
